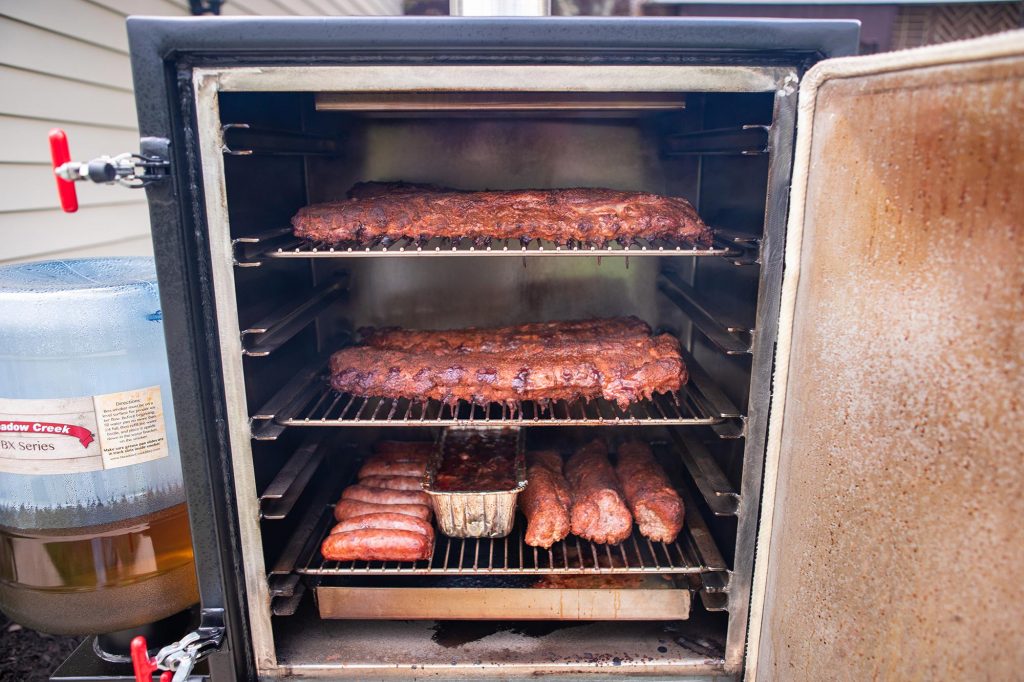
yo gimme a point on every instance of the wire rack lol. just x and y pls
(281, 244)
(324, 406)
(308, 400)
(502, 247)
(692, 552)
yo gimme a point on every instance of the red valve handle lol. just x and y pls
(60, 154)
(142, 664)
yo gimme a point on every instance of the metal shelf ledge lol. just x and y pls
(714, 601)
(719, 403)
(728, 337)
(717, 491)
(280, 326)
(288, 605)
(242, 139)
(747, 140)
(279, 498)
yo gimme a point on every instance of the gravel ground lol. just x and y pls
(30, 656)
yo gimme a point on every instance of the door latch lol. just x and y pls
(178, 659)
(130, 169)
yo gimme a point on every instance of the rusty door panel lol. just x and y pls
(897, 549)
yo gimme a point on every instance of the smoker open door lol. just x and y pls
(891, 542)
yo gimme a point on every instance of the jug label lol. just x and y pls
(79, 435)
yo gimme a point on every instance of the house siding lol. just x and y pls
(65, 63)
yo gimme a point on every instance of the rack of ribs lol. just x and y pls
(598, 513)
(392, 211)
(511, 364)
(655, 504)
(530, 337)
(546, 500)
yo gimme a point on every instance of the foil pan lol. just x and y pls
(478, 513)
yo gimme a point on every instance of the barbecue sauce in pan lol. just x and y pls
(478, 462)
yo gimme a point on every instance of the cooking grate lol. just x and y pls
(308, 400)
(281, 244)
(499, 247)
(323, 406)
(692, 552)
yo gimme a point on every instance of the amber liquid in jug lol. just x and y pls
(144, 561)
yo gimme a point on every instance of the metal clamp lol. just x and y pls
(128, 170)
(181, 656)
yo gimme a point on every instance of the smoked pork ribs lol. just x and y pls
(616, 359)
(385, 212)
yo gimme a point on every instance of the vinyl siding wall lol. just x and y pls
(65, 63)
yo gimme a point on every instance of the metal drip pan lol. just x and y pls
(629, 597)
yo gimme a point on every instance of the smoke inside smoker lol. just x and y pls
(593, 216)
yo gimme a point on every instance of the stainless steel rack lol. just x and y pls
(693, 552)
(327, 407)
(512, 556)
(279, 243)
(308, 400)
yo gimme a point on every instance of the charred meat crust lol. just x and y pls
(376, 544)
(598, 513)
(655, 504)
(613, 359)
(546, 500)
(393, 211)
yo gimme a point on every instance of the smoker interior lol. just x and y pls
(296, 304)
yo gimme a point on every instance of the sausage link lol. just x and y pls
(393, 482)
(346, 509)
(385, 521)
(377, 545)
(546, 500)
(598, 513)
(376, 467)
(363, 493)
(655, 504)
